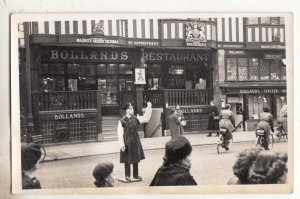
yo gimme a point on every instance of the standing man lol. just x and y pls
(213, 120)
(201, 84)
(131, 151)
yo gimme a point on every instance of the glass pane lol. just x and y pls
(125, 69)
(47, 84)
(275, 70)
(231, 69)
(102, 85)
(264, 69)
(243, 70)
(275, 20)
(43, 69)
(72, 69)
(72, 84)
(176, 70)
(112, 68)
(101, 69)
(122, 84)
(253, 68)
(265, 20)
(87, 70)
(252, 20)
(87, 83)
(56, 69)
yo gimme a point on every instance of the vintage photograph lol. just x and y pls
(176, 103)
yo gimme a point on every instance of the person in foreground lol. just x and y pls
(242, 166)
(103, 174)
(175, 170)
(270, 167)
(30, 156)
(131, 150)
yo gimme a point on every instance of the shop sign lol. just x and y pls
(236, 52)
(87, 55)
(143, 43)
(273, 46)
(195, 34)
(270, 56)
(230, 46)
(68, 116)
(140, 77)
(97, 41)
(191, 57)
(256, 91)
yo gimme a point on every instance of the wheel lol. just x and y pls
(258, 141)
(43, 150)
(279, 135)
(271, 144)
(219, 145)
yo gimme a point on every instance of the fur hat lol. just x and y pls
(102, 170)
(177, 149)
(30, 154)
(127, 106)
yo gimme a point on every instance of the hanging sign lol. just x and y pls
(140, 77)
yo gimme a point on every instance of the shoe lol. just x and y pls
(226, 148)
(128, 179)
(138, 177)
(209, 135)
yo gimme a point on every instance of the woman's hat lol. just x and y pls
(177, 149)
(30, 154)
(102, 170)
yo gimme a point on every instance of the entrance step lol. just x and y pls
(109, 128)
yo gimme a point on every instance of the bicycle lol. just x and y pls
(260, 140)
(279, 132)
(27, 139)
(222, 143)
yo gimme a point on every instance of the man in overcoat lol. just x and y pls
(175, 123)
(131, 150)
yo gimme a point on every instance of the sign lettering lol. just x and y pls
(255, 91)
(68, 116)
(195, 57)
(91, 55)
(142, 43)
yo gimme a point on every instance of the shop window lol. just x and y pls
(43, 69)
(177, 77)
(125, 69)
(264, 69)
(253, 69)
(87, 83)
(256, 104)
(87, 70)
(243, 69)
(72, 85)
(153, 76)
(101, 69)
(73, 69)
(56, 69)
(109, 88)
(112, 69)
(231, 69)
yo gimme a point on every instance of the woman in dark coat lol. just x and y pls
(213, 120)
(176, 166)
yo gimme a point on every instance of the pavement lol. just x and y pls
(67, 151)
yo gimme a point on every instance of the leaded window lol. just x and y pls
(243, 69)
(264, 69)
(231, 69)
(253, 69)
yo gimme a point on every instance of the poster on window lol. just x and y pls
(139, 76)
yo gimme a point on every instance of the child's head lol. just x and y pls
(30, 156)
(103, 174)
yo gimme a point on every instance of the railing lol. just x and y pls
(185, 97)
(156, 97)
(70, 100)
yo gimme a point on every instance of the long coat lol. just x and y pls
(175, 126)
(133, 148)
(227, 121)
(266, 122)
(172, 175)
(213, 124)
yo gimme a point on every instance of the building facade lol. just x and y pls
(81, 72)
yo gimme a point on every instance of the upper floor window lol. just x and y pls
(254, 69)
(265, 20)
(252, 20)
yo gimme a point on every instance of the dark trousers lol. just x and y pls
(135, 170)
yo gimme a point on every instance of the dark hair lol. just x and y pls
(101, 171)
(266, 109)
(268, 168)
(177, 149)
(30, 155)
(244, 162)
